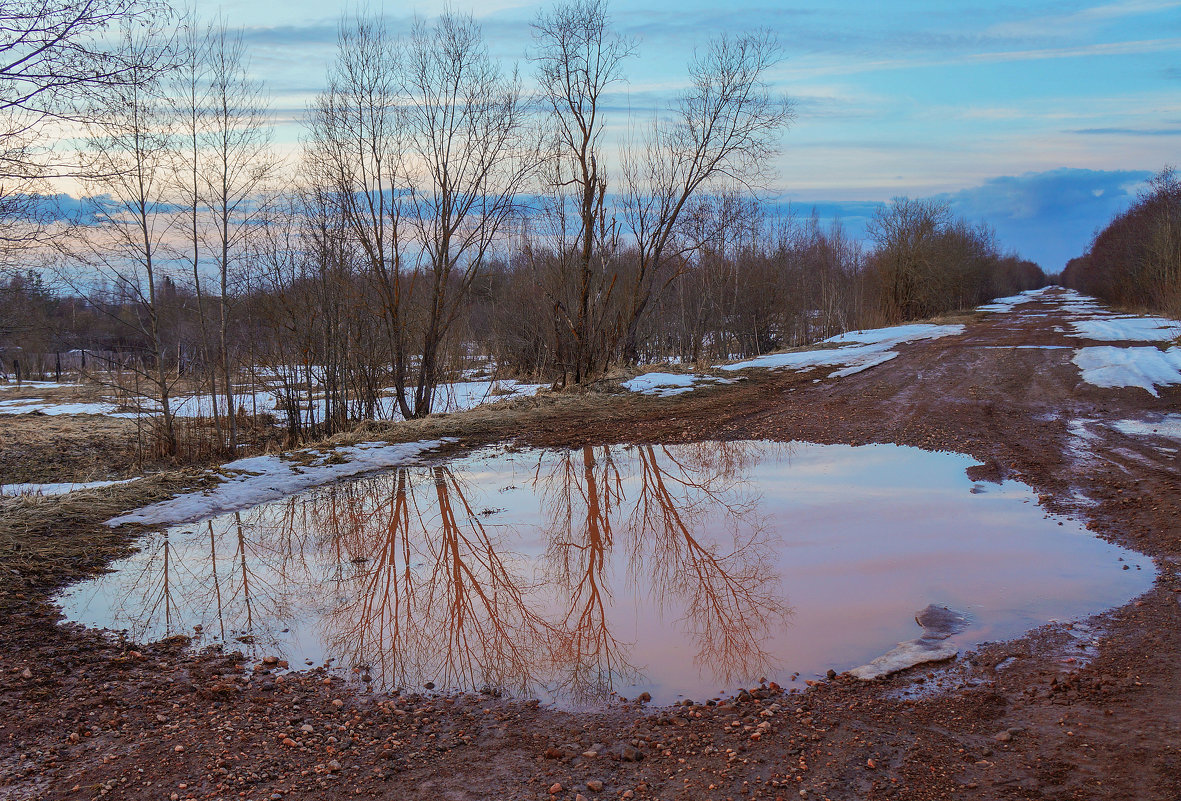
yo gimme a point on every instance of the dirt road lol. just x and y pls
(1090, 710)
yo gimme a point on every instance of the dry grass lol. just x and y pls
(48, 541)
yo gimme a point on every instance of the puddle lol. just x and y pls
(682, 571)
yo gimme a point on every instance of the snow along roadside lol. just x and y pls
(260, 479)
(858, 350)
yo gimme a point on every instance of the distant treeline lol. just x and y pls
(1136, 260)
(751, 283)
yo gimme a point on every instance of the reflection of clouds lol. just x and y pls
(400, 576)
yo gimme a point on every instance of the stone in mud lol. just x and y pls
(938, 624)
(626, 753)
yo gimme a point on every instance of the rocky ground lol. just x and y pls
(1089, 710)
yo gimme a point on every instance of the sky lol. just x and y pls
(1041, 119)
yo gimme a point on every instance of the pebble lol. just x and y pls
(555, 788)
(179, 749)
(595, 786)
(26, 674)
(1002, 736)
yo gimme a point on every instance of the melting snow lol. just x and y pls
(665, 384)
(1168, 426)
(56, 489)
(1144, 367)
(260, 479)
(859, 350)
(1128, 329)
(1007, 304)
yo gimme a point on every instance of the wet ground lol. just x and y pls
(1089, 709)
(579, 576)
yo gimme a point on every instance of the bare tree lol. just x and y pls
(126, 159)
(189, 99)
(578, 58)
(470, 152)
(356, 151)
(239, 165)
(725, 126)
(57, 59)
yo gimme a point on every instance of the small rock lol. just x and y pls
(1002, 737)
(595, 786)
(832, 674)
(333, 766)
(555, 788)
(430, 685)
(336, 702)
(644, 697)
(307, 728)
(179, 749)
(869, 763)
(627, 753)
(554, 753)
(270, 659)
(287, 741)
(579, 797)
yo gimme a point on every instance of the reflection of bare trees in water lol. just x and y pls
(400, 575)
(580, 494)
(683, 498)
(219, 581)
(435, 594)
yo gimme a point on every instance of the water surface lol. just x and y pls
(686, 570)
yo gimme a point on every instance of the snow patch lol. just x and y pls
(1007, 304)
(39, 490)
(1168, 426)
(1127, 329)
(53, 408)
(260, 479)
(938, 624)
(1144, 367)
(665, 384)
(857, 351)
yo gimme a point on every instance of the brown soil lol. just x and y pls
(82, 716)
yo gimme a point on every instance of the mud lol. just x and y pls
(1087, 710)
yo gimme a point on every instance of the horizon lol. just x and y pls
(1040, 121)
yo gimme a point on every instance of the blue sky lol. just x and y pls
(1039, 118)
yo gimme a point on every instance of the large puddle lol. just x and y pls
(686, 570)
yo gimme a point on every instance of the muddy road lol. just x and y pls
(1086, 710)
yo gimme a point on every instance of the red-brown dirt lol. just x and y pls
(1048, 716)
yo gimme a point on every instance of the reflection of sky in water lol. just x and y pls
(687, 569)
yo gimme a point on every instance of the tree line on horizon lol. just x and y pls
(1135, 260)
(442, 215)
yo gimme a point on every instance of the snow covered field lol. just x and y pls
(458, 396)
